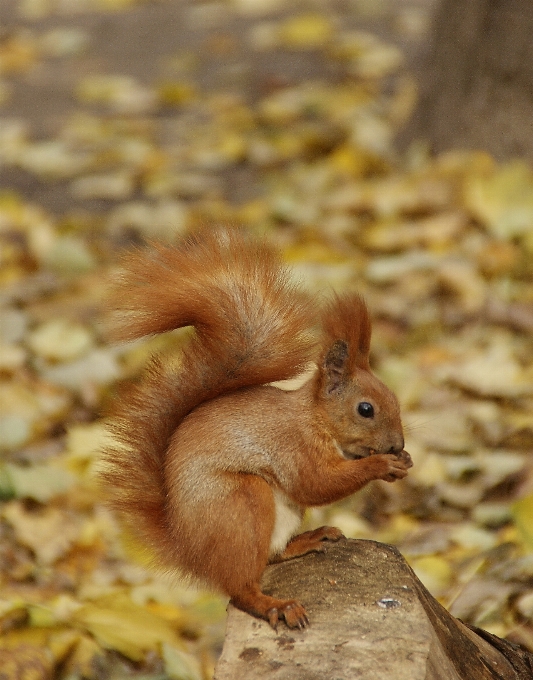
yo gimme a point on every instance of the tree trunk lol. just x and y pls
(477, 87)
(370, 617)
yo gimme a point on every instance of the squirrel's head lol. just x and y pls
(362, 413)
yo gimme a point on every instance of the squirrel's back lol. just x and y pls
(252, 326)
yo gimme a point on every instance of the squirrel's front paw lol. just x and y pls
(398, 464)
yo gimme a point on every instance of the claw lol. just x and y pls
(334, 534)
(291, 612)
(273, 618)
(407, 459)
(295, 616)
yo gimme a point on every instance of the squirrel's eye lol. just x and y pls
(365, 409)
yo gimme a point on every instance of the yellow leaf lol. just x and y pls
(175, 93)
(233, 147)
(307, 31)
(254, 212)
(502, 199)
(347, 160)
(40, 482)
(50, 533)
(13, 613)
(119, 624)
(18, 54)
(434, 572)
(25, 637)
(62, 642)
(522, 512)
(168, 612)
(179, 665)
(315, 252)
(41, 616)
(84, 659)
(84, 443)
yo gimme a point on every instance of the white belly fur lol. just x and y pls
(287, 523)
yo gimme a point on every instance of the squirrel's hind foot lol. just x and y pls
(271, 609)
(291, 612)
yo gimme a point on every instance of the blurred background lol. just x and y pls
(382, 145)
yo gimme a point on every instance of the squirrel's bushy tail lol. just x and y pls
(252, 326)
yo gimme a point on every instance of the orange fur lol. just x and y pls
(212, 469)
(346, 318)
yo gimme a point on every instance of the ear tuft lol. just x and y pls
(335, 365)
(346, 319)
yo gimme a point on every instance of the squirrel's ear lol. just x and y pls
(335, 368)
(345, 319)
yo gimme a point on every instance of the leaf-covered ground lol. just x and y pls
(284, 122)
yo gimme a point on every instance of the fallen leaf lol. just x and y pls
(49, 532)
(117, 623)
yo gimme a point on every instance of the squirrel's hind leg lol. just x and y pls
(236, 561)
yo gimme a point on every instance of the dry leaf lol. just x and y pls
(119, 624)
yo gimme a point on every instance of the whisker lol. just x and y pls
(418, 424)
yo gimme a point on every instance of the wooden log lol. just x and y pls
(370, 618)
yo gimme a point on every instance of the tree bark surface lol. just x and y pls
(477, 87)
(370, 617)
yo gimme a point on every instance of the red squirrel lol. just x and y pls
(212, 467)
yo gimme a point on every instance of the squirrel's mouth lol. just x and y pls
(362, 452)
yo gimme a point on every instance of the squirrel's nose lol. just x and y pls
(397, 446)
